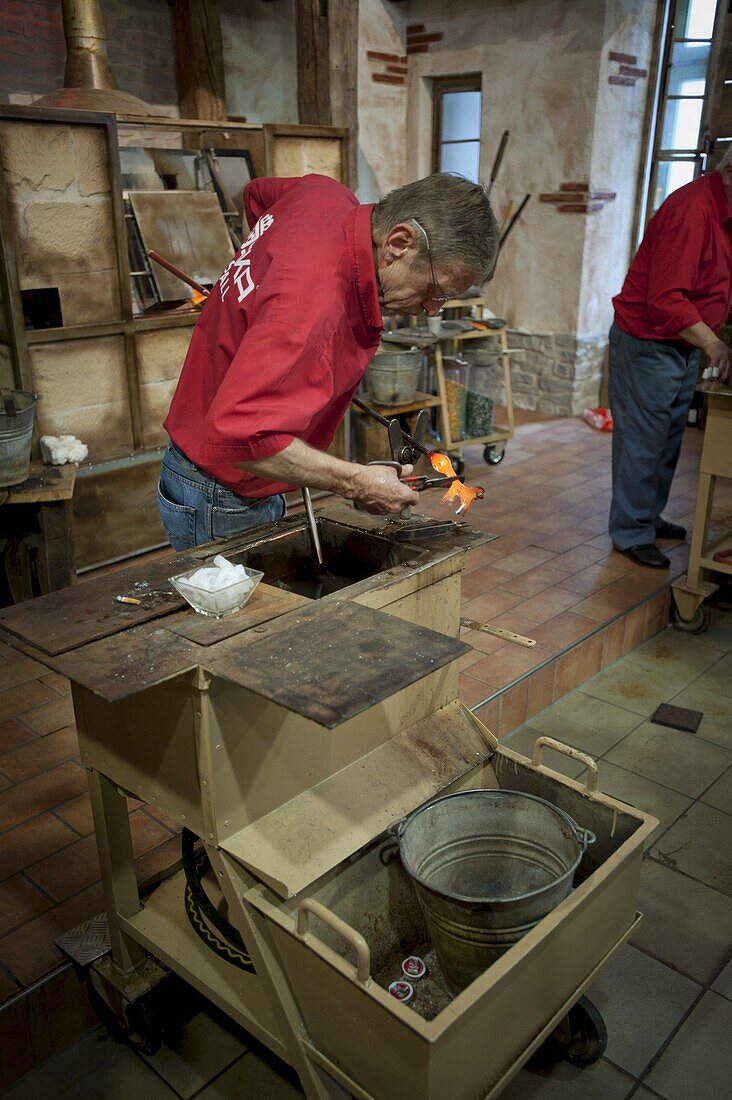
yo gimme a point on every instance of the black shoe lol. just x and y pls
(648, 554)
(666, 530)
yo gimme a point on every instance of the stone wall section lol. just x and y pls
(61, 210)
(555, 373)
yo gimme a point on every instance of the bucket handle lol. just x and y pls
(353, 938)
(566, 750)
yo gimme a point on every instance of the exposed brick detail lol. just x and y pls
(625, 81)
(577, 198)
(401, 70)
(386, 78)
(420, 39)
(374, 55)
(418, 49)
(564, 196)
(629, 70)
(623, 58)
(581, 207)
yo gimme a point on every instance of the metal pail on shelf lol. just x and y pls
(17, 416)
(487, 865)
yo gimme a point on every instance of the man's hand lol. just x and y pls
(720, 358)
(377, 489)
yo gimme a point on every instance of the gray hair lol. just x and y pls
(455, 214)
(726, 160)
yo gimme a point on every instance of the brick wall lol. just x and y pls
(139, 41)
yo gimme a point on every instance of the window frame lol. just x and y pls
(442, 85)
(700, 153)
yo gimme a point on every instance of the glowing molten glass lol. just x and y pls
(463, 494)
(197, 298)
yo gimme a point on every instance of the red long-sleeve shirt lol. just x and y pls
(682, 272)
(286, 334)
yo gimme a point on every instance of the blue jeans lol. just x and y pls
(195, 508)
(651, 387)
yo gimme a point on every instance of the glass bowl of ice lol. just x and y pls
(217, 589)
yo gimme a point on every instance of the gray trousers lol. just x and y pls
(651, 386)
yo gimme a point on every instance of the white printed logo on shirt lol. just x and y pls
(240, 267)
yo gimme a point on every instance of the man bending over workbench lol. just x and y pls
(287, 334)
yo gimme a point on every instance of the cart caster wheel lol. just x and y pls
(458, 463)
(697, 624)
(583, 1038)
(494, 455)
(146, 1028)
(141, 1028)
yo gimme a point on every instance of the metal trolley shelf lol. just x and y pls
(492, 454)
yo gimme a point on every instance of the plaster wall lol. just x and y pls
(616, 161)
(260, 59)
(539, 63)
(382, 108)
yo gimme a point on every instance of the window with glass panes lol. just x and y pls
(456, 127)
(679, 146)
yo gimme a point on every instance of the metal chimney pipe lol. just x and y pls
(88, 81)
(87, 63)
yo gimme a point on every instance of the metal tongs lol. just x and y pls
(420, 482)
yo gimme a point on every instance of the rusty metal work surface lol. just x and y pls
(266, 603)
(125, 664)
(331, 663)
(86, 612)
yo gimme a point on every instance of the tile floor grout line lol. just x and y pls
(653, 1062)
(220, 1074)
(668, 866)
(72, 828)
(673, 790)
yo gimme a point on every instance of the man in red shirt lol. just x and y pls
(287, 334)
(675, 297)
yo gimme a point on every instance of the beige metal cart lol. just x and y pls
(289, 738)
(690, 592)
(494, 444)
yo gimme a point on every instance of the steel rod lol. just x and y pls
(312, 526)
(177, 272)
(513, 221)
(497, 161)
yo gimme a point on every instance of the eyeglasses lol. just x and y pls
(440, 296)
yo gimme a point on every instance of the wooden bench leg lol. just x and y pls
(56, 553)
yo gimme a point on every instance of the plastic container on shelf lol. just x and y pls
(478, 415)
(457, 381)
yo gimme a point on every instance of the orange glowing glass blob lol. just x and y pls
(463, 494)
(197, 298)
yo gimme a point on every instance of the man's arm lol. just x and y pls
(376, 488)
(716, 351)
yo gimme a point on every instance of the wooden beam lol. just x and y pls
(200, 55)
(327, 69)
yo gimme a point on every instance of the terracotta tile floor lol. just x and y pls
(552, 575)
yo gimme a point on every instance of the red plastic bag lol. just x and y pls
(602, 419)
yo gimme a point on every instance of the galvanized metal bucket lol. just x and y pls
(17, 414)
(487, 865)
(393, 376)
